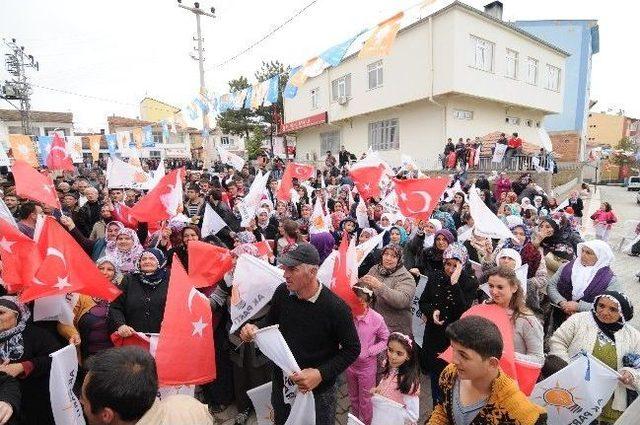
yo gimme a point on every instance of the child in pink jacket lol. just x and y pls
(361, 375)
(603, 220)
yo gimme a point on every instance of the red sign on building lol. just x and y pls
(304, 123)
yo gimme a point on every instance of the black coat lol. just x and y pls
(577, 206)
(34, 389)
(140, 306)
(451, 301)
(10, 393)
(87, 216)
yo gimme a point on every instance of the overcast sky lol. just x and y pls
(122, 50)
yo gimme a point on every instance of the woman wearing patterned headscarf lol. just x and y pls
(394, 288)
(140, 307)
(606, 333)
(25, 350)
(450, 292)
(125, 250)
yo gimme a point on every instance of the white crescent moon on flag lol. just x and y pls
(60, 148)
(427, 202)
(192, 293)
(56, 253)
(298, 172)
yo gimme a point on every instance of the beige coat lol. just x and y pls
(580, 331)
(177, 409)
(393, 299)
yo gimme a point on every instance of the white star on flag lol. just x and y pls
(63, 282)
(367, 186)
(5, 244)
(198, 327)
(47, 187)
(403, 196)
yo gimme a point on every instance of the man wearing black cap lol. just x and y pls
(318, 327)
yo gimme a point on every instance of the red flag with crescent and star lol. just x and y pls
(66, 268)
(301, 172)
(163, 201)
(59, 158)
(33, 185)
(207, 263)
(367, 180)
(342, 276)
(418, 197)
(185, 353)
(20, 258)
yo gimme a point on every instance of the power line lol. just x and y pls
(269, 34)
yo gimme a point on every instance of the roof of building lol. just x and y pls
(159, 101)
(117, 121)
(37, 116)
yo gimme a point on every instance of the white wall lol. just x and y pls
(407, 70)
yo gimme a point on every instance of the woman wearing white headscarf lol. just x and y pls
(576, 284)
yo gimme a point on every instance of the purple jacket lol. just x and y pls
(373, 335)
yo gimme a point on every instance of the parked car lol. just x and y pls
(633, 183)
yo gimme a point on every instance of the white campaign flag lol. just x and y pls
(390, 202)
(363, 249)
(227, 157)
(123, 175)
(64, 370)
(4, 159)
(74, 148)
(362, 215)
(631, 415)
(261, 400)
(55, 308)
(484, 220)
(373, 159)
(249, 204)
(417, 324)
(577, 393)
(254, 282)
(386, 411)
(212, 223)
(352, 420)
(318, 222)
(564, 204)
(325, 271)
(498, 153)
(156, 176)
(272, 344)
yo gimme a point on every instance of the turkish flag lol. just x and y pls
(207, 263)
(122, 213)
(59, 158)
(31, 184)
(20, 258)
(138, 339)
(66, 268)
(342, 276)
(366, 180)
(264, 248)
(294, 170)
(185, 353)
(163, 201)
(418, 197)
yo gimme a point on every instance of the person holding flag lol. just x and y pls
(317, 326)
(606, 333)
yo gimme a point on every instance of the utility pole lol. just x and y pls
(206, 142)
(18, 88)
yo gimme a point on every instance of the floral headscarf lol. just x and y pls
(512, 243)
(117, 276)
(397, 250)
(119, 225)
(456, 251)
(245, 237)
(446, 219)
(125, 261)
(403, 234)
(11, 341)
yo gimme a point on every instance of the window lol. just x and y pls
(157, 138)
(375, 75)
(553, 78)
(461, 114)
(15, 130)
(512, 120)
(482, 54)
(154, 154)
(538, 124)
(315, 98)
(532, 71)
(50, 131)
(227, 142)
(529, 123)
(384, 135)
(341, 87)
(330, 142)
(511, 60)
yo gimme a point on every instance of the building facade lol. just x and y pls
(43, 123)
(581, 39)
(609, 129)
(458, 72)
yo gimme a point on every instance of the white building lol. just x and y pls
(43, 123)
(457, 72)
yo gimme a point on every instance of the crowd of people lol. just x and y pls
(573, 300)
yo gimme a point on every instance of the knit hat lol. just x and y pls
(624, 304)
(160, 258)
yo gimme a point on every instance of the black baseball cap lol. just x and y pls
(303, 253)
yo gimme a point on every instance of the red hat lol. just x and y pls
(568, 210)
